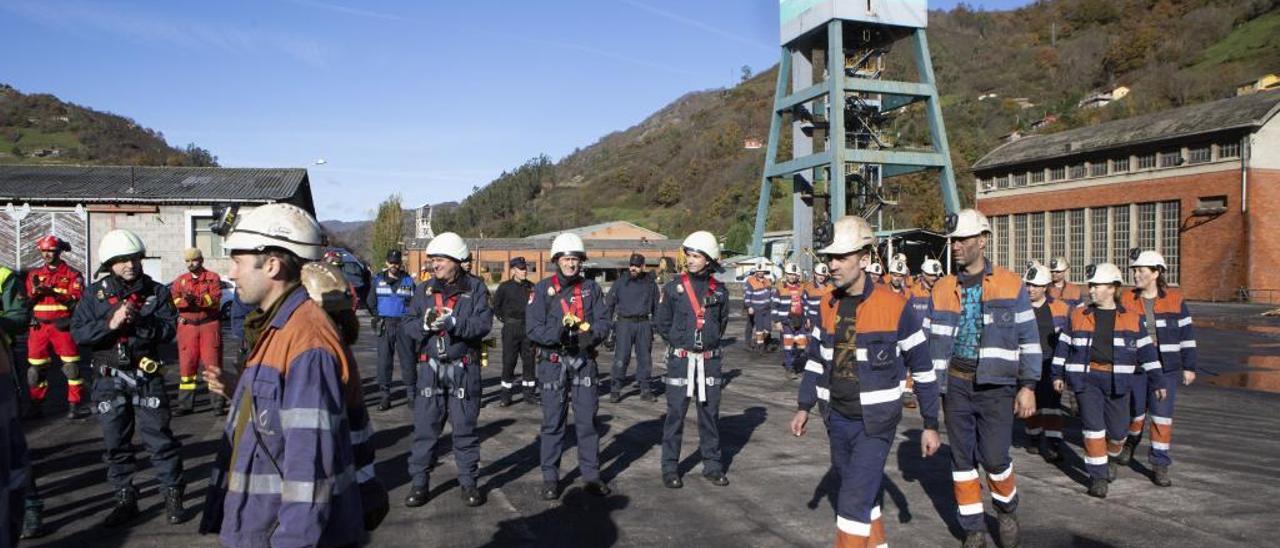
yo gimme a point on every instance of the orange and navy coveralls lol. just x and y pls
(1049, 419)
(789, 310)
(54, 292)
(1176, 340)
(198, 298)
(1072, 294)
(1102, 389)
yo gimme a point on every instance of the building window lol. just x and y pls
(1229, 149)
(1147, 161)
(1146, 226)
(1019, 179)
(1037, 176)
(1036, 231)
(1057, 235)
(1098, 169)
(1211, 202)
(203, 238)
(997, 239)
(1018, 256)
(1077, 171)
(1058, 173)
(1120, 165)
(1170, 237)
(1002, 181)
(1101, 241)
(1199, 154)
(1076, 242)
(1170, 158)
(493, 267)
(1120, 236)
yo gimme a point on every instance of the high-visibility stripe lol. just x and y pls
(1183, 322)
(1060, 361)
(1002, 475)
(69, 359)
(939, 365)
(75, 382)
(1160, 323)
(1024, 317)
(254, 484)
(827, 352)
(1123, 369)
(1150, 366)
(305, 417)
(1188, 344)
(886, 395)
(49, 307)
(1030, 348)
(860, 354)
(1161, 420)
(1159, 446)
(823, 393)
(314, 492)
(924, 376)
(1000, 353)
(38, 361)
(913, 341)
(852, 527)
(964, 475)
(186, 386)
(942, 330)
(1075, 368)
(813, 367)
(1170, 347)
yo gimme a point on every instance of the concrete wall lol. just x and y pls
(167, 233)
(1219, 254)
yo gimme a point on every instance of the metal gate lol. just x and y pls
(20, 227)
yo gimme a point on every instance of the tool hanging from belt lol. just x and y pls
(440, 311)
(573, 312)
(447, 378)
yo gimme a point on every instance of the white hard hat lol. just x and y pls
(874, 268)
(791, 268)
(900, 257)
(1103, 273)
(568, 244)
(821, 269)
(1059, 264)
(932, 267)
(850, 234)
(448, 245)
(1150, 259)
(285, 226)
(762, 265)
(966, 223)
(899, 266)
(703, 242)
(117, 244)
(1037, 274)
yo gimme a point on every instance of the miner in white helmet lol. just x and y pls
(567, 319)
(789, 319)
(692, 316)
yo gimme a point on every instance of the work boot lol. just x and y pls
(32, 523)
(1009, 529)
(647, 396)
(909, 400)
(385, 404)
(173, 510)
(418, 496)
(531, 396)
(615, 396)
(975, 539)
(219, 407)
(77, 411)
(1033, 445)
(1160, 475)
(1112, 467)
(1051, 452)
(125, 510)
(1098, 488)
(716, 478)
(672, 481)
(471, 496)
(550, 490)
(598, 488)
(1126, 454)
(181, 411)
(506, 398)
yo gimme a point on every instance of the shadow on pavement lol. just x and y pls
(580, 520)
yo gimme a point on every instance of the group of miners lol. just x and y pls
(977, 348)
(985, 345)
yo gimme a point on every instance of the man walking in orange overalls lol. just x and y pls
(54, 288)
(198, 298)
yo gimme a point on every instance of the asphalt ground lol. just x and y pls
(1225, 492)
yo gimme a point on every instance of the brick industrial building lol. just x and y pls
(1201, 184)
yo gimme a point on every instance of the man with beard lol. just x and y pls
(198, 297)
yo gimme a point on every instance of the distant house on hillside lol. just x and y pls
(1265, 83)
(1103, 98)
(171, 208)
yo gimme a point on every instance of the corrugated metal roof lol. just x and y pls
(116, 184)
(584, 231)
(1246, 111)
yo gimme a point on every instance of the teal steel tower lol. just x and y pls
(833, 89)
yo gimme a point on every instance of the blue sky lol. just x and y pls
(427, 98)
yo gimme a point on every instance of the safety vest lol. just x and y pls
(393, 300)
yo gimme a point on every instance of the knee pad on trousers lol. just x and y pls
(71, 370)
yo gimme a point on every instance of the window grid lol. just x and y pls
(1037, 176)
(1120, 165)
(1229, 149)
(1058, 173)
(1036, 231)
(1002, 181)
(1019, 253)
(1200, 154)
(1076, 243)
(1147, 161)
(1147, 226)
(1101, 236)
(1170, 238)
(203, 237)
(1077, 171)
(1057, 235)
(1098, 169)
(998, 236)
(1170, 158)
(1018, 179)
(1120, 236)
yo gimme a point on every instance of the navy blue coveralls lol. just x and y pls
(693, 364)
(633, 300)
(123, 392)
(567, 368)
(448, 386)
(389, 302)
